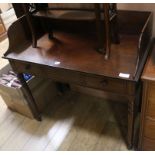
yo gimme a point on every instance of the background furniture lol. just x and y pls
(147, 126)
(2, 29)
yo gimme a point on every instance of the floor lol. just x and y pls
(71, 122)
(8, 17)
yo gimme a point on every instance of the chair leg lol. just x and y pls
(47, 28)
(50, 35)
(34, 37)
(114, 25)
(34, 41)
(107, 30)
(100, 45)
(115, 31)
(31, 26)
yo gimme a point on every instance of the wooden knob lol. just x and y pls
(104, 82)
(28, 66)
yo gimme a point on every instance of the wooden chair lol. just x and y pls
(103, 15)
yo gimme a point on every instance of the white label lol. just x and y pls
(124, 75)
(57, 62)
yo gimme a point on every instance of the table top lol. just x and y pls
(149, 69)
(78, 53)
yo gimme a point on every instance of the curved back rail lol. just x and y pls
(18, 33)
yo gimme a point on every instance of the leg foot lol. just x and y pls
(50, 36)
(34, 43)
(101, 50)
(131, 121)
(39, 118)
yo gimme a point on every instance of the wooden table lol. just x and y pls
(72, 58)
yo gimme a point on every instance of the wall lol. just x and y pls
(139, 7)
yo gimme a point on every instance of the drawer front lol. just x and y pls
(49, 72)
(150, 111)
(108, 84)
(149, 128)
(151, 90)
(83, 79)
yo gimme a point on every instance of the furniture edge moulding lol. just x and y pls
(19, 33)
(21, 36)
(144, 76)
(143, 111)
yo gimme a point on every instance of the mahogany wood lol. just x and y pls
(71, 58)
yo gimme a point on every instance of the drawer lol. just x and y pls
(151, 92)
(108, 84)
(68, 76)
(148, 144)
(149, 128)
(27, 68)
(56, 74)
(150, 111)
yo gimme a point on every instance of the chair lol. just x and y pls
(102, 16)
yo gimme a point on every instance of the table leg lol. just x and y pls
(131, 121)
(28, 95)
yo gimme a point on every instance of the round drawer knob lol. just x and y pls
(104, 82)
(28, 66)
